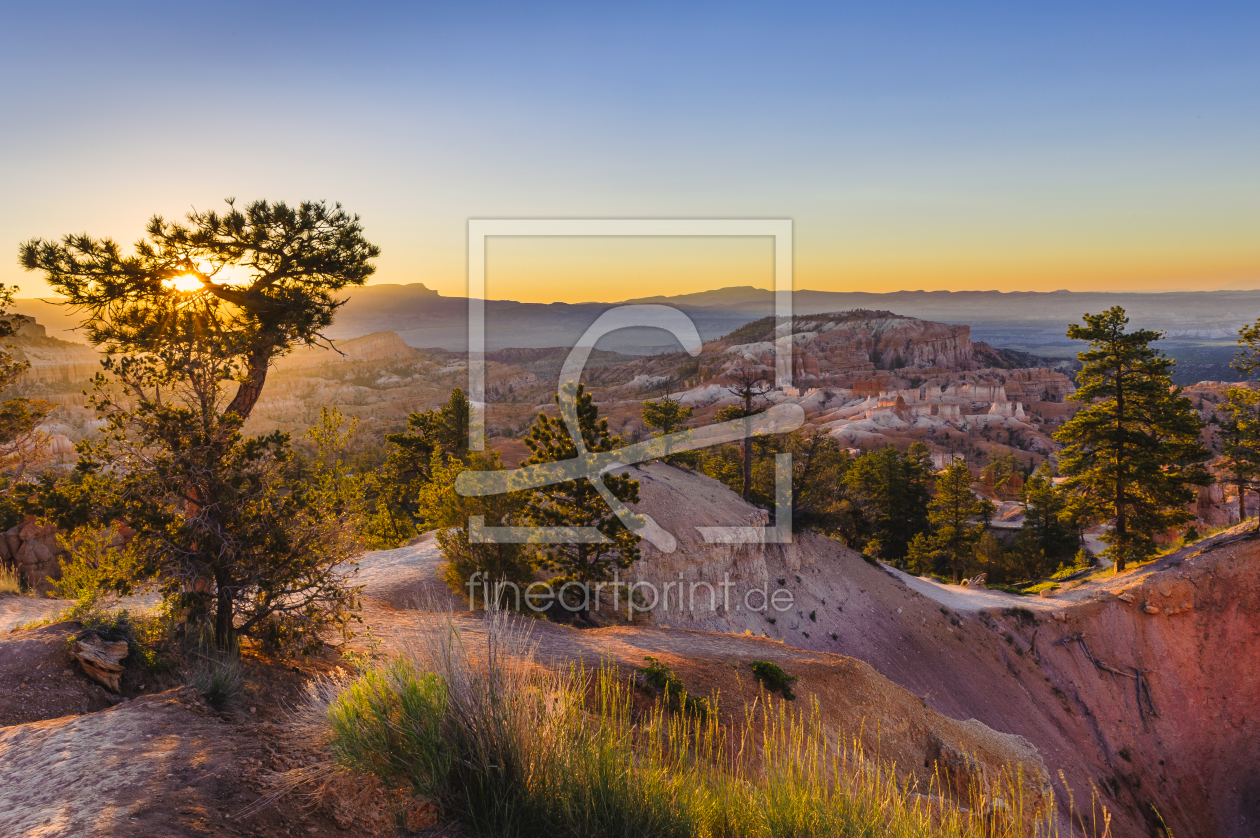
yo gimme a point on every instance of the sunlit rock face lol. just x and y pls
(52, 360)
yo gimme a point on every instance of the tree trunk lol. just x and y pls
(1121, 542)
(251, 388)
(223, 614)
(747, 466)
(1242, 502)
(1122, 529)
(748, 397)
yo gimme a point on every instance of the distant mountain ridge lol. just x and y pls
(1201, 327)
(1206, 322)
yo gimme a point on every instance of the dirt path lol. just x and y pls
(19, 610)
(77, 761)
(972, 599)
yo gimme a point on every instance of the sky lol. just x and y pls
(976, 146)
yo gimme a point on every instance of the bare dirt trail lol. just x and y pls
(20, 610)
(970, 599)
(17, 611)
(78, 762)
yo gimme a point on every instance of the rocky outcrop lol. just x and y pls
(33, 548)
(378, 346)
(1037, 385)
(828, 347)
(53, 360)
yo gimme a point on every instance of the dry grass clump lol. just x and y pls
(508, 748)
(10, 580)
(215, 673)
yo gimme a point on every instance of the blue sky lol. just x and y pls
(915, 145)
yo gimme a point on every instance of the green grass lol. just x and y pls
(508, 748)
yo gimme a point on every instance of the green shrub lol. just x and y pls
(94, 566)
(774, 679)
(388, 723)
(1024, 615)
(662, 679)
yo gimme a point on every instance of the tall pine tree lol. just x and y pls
(1240, 436)
(958, 520)
(577, 503)
(1132, 453)
(1240, 443)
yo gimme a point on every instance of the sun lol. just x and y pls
(184, 282)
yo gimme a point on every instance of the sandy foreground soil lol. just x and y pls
(76, 760)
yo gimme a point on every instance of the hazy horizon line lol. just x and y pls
(1243, 287)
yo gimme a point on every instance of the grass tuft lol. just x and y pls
(215, 673)
(10, 580)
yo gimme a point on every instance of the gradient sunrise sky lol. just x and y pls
(1008, 146)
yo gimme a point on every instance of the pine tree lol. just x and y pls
(447, 511)
(819, 499)
(1240, 435)
(749, 385)
(442, 431)
(21, 444)
(577, 503)
(892, 491)
(1132, 453)
(1046, 535)
(668, 416)
(953, 515)
(1240, 443)
(189, 325)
